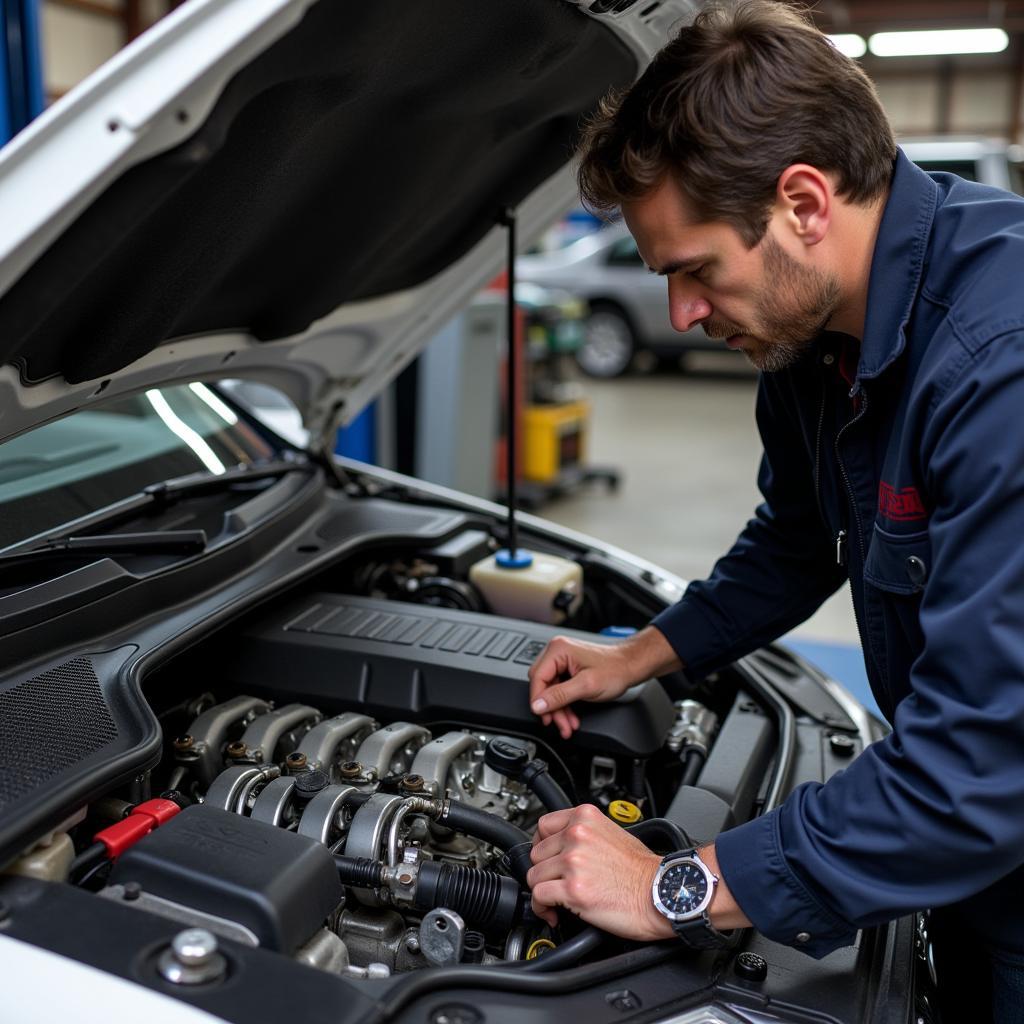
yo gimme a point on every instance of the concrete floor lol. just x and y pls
(687, 448)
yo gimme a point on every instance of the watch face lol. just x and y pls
(683, 890)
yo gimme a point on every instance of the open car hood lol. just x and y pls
(291, 191)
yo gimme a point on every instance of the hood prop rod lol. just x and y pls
(507, 218)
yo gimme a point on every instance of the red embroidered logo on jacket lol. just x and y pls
(900, 505)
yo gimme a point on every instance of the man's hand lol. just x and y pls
(569, 670)
(586, 863)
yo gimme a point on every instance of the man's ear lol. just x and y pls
(804, 200)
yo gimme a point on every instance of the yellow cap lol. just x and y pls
(536, 946)
(624, 812)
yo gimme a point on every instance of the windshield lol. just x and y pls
(91, 459)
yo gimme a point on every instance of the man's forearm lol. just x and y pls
(650, 654)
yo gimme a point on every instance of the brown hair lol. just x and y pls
(734, 99)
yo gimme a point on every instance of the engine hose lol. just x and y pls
(512, 759)
(638, 778)
(494, 830)
(360, 871)
(419, 984)
(483, 898)
(663, 832)
(693, 759)
(568, 953)
(537, 777)
(86, 861)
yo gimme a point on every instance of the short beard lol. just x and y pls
(791, 311)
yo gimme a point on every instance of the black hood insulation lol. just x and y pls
(359, 155)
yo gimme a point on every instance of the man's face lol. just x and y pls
(762, 301)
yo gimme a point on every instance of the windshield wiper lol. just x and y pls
(204, 483)
(156, 542)
(159, 495)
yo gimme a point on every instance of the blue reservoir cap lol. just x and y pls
(518, 559)
(618, 631)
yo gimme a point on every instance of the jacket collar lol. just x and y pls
(897, 265)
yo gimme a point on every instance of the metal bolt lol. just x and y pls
(456, 1013)
(405, 879)
(193, 958)
(413, 783)
(350, 769)
(412, 942)
(842, 746)
(131, 891)
(236, 749)
(183, 743)
(296, 759)
(194, 947)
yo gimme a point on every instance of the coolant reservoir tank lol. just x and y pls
(529, 585)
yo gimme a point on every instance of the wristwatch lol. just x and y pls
(682, 891)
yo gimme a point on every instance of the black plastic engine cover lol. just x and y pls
(278, 884)
(397, 661)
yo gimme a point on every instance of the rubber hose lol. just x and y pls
(483, 898)
(86, 860)
(568, 953)
(359, 871)
(494, 830)
(693, 760)
(637, 777)
(483, 825)
(544, 787)
(670, 835)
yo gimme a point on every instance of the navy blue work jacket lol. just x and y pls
(910, 483)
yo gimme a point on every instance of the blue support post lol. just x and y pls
(21, 66)
(359, 439)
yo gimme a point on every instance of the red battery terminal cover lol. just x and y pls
(143, 819)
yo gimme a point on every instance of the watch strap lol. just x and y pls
(701, 934)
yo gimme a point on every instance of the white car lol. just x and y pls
(265, 749)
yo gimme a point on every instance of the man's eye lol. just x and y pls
(700, 273)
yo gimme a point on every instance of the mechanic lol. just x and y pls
(758, 173)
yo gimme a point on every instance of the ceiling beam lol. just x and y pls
(91, 7)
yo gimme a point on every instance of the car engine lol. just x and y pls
(360, 791)
(426, 830)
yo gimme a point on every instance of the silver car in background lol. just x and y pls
(629, 305)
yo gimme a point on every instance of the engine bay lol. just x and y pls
(349, 778)
(396, 742)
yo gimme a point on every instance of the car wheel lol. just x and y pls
(608, 343)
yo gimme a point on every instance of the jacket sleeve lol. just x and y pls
(783, 564)
(930, 815)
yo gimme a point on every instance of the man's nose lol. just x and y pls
(686, 306)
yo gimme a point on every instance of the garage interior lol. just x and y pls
(671, 441)
(344, 649)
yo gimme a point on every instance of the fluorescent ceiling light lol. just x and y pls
(849, 44)
(939, 41)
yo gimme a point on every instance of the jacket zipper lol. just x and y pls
(854, 391)
(841, 538)
(841, 553)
